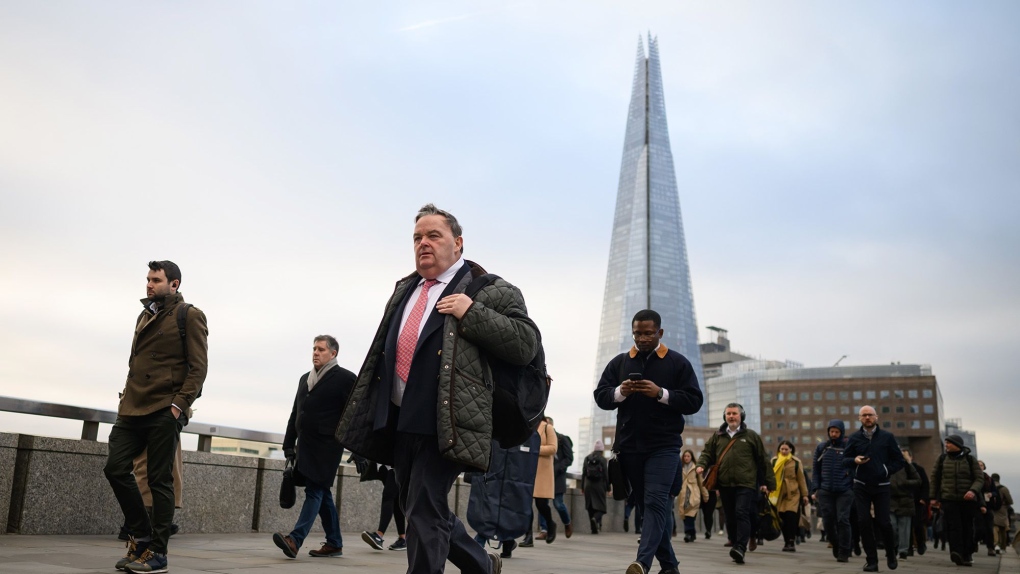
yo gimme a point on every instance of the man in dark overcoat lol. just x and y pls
(309, 444)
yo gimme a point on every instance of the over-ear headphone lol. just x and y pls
(743, 415)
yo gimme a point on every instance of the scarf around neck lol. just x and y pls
(778, 469)
(314, 376)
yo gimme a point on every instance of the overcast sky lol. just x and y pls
(848, 176)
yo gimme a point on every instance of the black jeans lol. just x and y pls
(864, 497)
(708, 511)
(389, 508)
(158, 432)
(836, 508)
(739, 506)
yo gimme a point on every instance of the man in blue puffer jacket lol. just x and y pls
(834, 489)
(872, 456)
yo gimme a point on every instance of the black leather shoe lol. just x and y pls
(551, 534)
(508, 548)
(891, 562)
(528, 541)
(871, 567)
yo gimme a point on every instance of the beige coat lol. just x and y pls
(545, 487)
(794, 486)
(692, 493)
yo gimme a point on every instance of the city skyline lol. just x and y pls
(852, 169)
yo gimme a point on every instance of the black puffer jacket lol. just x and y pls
(883, 451)
(828, 472)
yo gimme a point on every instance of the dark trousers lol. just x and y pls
(835, 508)
(544, 512)
(434, 533)
(985, 528)
(738, 504)
(864, 498)
(920, 528)
(708, 511)
(790, 525)
(388, 508)
(958, 519)
(651, 476)
(158, 432)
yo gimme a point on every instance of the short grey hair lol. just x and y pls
(330, 342)
(451, 221)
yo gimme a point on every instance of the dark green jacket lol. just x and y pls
(746, 464)
(158, 374)
(953, 476)
(497, 325)
(903, 490)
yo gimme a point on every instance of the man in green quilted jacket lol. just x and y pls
(423, 399)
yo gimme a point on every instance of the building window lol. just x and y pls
(849, 425)
(779, 396)
(844, 410)
(793, 410)
(883, 394)
(689, 440)
(914, 409)
(780, 411)
(899, 409)
(806, 439)
(887, 424)
(844, 396)
(901, 425)
(817, 396)
(898, 394)
(818, 410)
(700, 442)
(912, 394)
(885, 410)
(766, 397)
(767, 411)
(803, 396)
(768, 439)
(793, 425)
(830, 410)
(819, 425)
(915, 424)
(857, 395)
(929, 409)
(830, 396)
(870, 394)
(793, 439)
(929, 424)
(768, 425)
(780, 438)
(926, 393)
(819, 438)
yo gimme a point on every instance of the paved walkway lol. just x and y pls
(605, 553)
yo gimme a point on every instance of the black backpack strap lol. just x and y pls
(478, 283)
(182, 325)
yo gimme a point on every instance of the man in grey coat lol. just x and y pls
(423, 399)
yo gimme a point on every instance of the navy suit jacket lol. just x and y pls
(417, 413)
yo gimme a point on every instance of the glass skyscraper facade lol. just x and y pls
(648, 267)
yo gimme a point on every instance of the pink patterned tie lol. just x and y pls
(409, 336)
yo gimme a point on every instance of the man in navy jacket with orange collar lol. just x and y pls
(653, 388)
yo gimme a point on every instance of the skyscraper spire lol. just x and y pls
(648, 267)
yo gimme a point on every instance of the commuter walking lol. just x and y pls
(693, 495)
(309, 444)
(919, 522)
(1001, 515)
(165, 377)
(872, 456)
(595, 485)
(743, 467)
(652, 388)
(791, 492)
(389, 509)
(545, 483)
(418, 404)
(902, 493)
(561, 462)
(956, 483)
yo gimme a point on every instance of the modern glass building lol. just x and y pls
(648, 266)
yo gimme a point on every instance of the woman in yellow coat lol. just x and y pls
(692, 494)
(545, 486)
(791, 491)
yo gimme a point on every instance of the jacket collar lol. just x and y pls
(169, 302)
(661, 351)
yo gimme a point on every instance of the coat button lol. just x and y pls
(446, 402)
(446, 367)
(451, 333)
(449, 440)
(153, 354)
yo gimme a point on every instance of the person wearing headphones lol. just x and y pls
(743, 469)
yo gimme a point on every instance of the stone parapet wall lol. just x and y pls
(57, 486)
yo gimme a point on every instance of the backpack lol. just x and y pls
(994, 500)
(593, 469)
(519, 393)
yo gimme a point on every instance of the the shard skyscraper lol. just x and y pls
(648, 266)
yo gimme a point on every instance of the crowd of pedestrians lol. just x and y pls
(416, 418)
